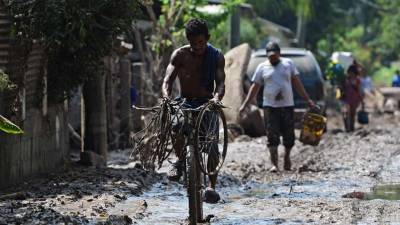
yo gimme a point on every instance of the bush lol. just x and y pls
(383, 76)
(5, 82)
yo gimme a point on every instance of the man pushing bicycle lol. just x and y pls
(200, 70)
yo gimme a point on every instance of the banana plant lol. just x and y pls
(9, 127)
(5, 124)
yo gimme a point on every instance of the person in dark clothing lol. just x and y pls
(352, 97)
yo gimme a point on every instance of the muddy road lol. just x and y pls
(352, 165)
(342, 181)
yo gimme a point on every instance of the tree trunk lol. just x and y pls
(234, 39)
(95, 115)
(126, 106)
(301, 30)
(112, 98)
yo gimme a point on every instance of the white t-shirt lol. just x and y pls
(276, 79)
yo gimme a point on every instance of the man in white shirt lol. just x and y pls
(277, 74)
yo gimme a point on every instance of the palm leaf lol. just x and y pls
(8, 127)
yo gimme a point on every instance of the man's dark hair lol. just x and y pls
(398, 72)
(196, 27)
(353, 69)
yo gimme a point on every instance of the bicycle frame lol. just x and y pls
(187, 127)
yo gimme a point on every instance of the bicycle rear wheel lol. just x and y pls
(193, 188)
(211, 139)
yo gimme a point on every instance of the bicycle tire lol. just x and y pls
(193, 188)
(201, 155)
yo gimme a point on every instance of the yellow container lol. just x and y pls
(313, 128)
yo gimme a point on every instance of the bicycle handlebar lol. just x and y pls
(176, 103)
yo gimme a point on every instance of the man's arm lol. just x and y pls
(170, 75)
(300, 89)
(220, 79)
(254, 88)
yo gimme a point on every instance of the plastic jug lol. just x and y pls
(313, 128)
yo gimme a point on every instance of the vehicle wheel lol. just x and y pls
(193, 188)
(211, 139)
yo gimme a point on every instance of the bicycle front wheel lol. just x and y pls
(193, 188)
(211, 139)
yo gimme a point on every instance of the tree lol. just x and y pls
(167, 34)
(76, 35)
(304, 10)
(368, 28)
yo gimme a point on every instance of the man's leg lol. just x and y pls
(178, 143)
(213, 160)
(287, 130)
(287, 163)
(346, 117)
(353, 112)
(271, 118)
(175, 171)
(273, 153)
(210, 195)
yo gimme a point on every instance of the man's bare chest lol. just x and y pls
(191, 68)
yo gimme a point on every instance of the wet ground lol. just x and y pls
(348, 179)
(81, 195)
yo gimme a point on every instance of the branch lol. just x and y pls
(178, 15)
(378, 7)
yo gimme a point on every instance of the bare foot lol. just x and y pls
(273, 169)
(211, 196)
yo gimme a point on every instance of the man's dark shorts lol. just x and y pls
(279, 122)
(209, 124)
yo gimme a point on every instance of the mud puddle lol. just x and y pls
(166, 203)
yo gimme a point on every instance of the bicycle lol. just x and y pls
(210, 134)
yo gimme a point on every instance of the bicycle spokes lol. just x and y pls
(211, 139)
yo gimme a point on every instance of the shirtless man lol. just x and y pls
(200, 70)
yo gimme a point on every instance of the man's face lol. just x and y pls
(198, 44)
(274, 59)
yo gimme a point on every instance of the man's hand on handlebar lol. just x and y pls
(215, 100)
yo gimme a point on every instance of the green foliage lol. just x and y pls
(251, 32)
(76, 36)
(301, 7)
(9, 127)
(182, 13)
(219, 37)
(368, 29)
(3, 80)
(387, 40)
(350, 41)
(220, 24)
(383, 76)
(5, 83)
(285, 12)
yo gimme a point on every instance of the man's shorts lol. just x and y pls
(209, 128)
(279, 122)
